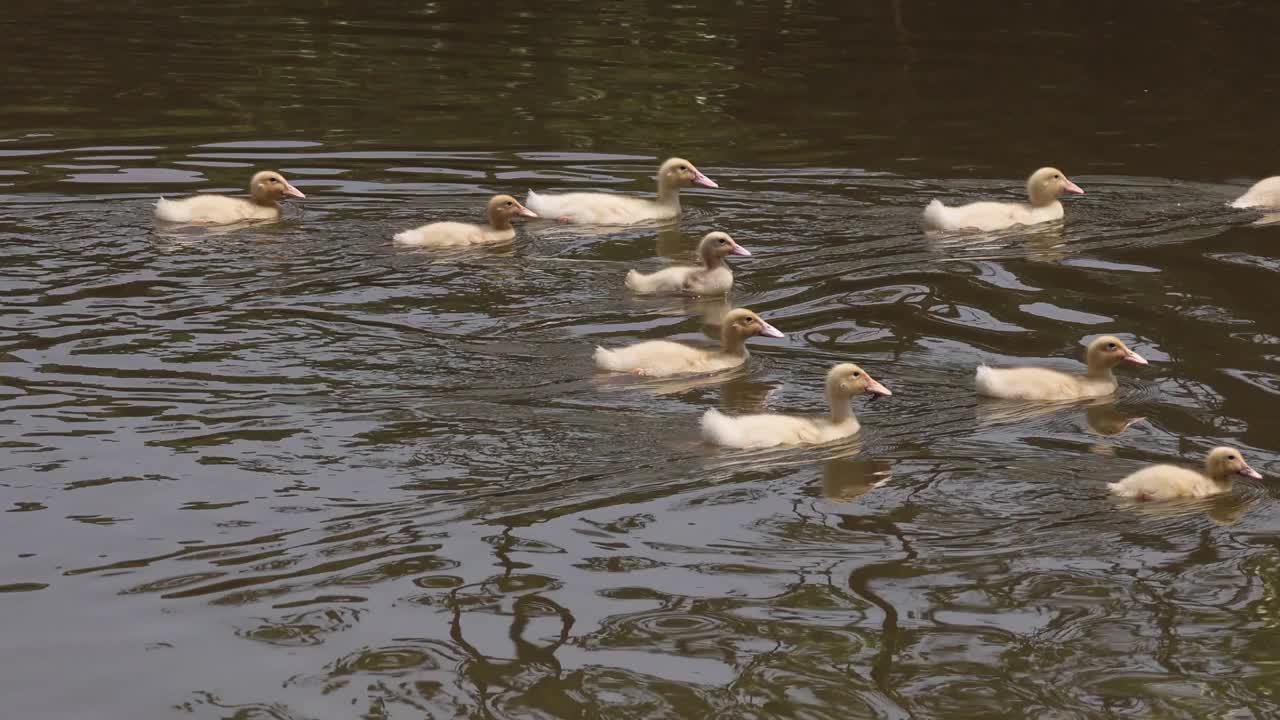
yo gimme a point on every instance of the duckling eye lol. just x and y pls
(1111, 346)
(1231, 457)
(857, 374)
(722, 241)
(684, 168)
(509, 203)
(1056, 176)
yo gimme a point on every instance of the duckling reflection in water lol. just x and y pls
(1043, 243)
(676, 384)
(711, 309)
(1222, 509)
(1108, 420)
(673, 244)
(1047, 243)
(741, 394)
(846, 479)
(1102, 418)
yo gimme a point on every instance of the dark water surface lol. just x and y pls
(290, 471)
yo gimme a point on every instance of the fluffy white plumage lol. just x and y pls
(1035, 383)
(768, 429)
(213, 209)
(595, 208)
(988, 216)
(1032, 383)
(266, 189)
(451, 234)
(1264, 194)
(713, 278)
(599, 208)
(1166, 482)
(660, 358)
(500, 210)
(1043, 188)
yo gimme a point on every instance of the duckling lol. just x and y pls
(753, 431)
(1043, 188)
(1263, 194)
(452, 234)
(591, 208)
(1166, 482)
(659, 358)
(1033, 383)
(266, 190)
(713, 278)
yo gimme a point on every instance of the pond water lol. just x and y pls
(292, 471)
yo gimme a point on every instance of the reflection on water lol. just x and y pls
(289, 470)
(1101, 416)
(1225, 509)
(844, 480)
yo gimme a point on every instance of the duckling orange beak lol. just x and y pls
(769, 331)
(703, 180)
(876, 388)
(739, 250)
(526, 212)
(1249, 472)
(292, 191)
(1072, 187)
(1134, 357)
